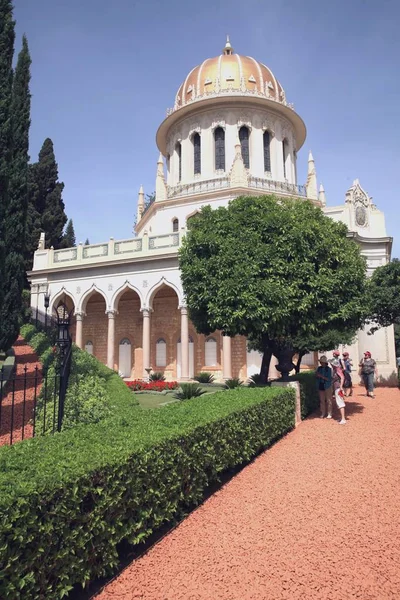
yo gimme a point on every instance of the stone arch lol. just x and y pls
(86, 296)
(163, 283)
(121, 291)
(59, 297)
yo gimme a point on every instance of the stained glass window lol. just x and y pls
(197, 153)
(267, 152)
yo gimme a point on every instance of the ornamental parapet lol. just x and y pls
(111, 251)
(282, 188)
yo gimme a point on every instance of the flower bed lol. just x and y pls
(151, 386)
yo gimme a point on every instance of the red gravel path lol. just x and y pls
(316, 517)
(22, 428)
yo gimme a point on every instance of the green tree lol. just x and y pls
(7, 37)
(87, 243)
(16, 209)
(271, 269)
(48, 209)
(384, 295)
(69, 239)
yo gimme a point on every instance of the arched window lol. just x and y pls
(244, 143)
(89, 347)
(175, 225)
(197, 153)
(211, 352)
(284, 156)
(219, 138)
(178, 149)
(267, 151)
(161, 353)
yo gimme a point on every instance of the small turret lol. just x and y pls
(321, 195)
(311, 185)
(238, 175)
(161, 187)
(140, 204)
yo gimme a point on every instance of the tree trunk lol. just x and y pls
(266, 361)
(299, 359)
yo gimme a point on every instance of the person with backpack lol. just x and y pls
(348, 383)
(368, 372)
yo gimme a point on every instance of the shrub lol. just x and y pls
(71, 498)
(204, 377)
(308, 392)
(233, 383)
(137, 385)
(86, 402)
(157, 376)
(256, 380)
(189, 390)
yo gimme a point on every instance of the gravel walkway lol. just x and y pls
(316, 517)
(12, 405)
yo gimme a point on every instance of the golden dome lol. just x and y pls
(229, 74)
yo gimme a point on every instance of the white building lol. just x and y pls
(231, 132)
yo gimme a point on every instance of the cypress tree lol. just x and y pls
(7, 36)
(69, 237)
(87, 243)
(16, 209)
(46, 196)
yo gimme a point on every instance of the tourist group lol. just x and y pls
(334, 381)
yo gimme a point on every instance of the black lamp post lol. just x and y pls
(64, 343)
(46, 305)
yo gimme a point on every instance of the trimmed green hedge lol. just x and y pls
(308, 392)
(67, 500)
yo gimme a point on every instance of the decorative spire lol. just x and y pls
(140, 204)
(321, 195)
(311, 185)
(161, 187)
(228, 48)
(238, 175)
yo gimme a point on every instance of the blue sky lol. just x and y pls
(103, 75)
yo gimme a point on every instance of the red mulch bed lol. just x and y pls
(12, 408)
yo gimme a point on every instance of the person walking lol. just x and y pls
(368, 372)
(324, 385)
(337, 383)
(348, 383)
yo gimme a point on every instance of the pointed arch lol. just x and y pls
(163, 283)
(86, 295)
(244, 135)
(59, 297)
(120, 292)
(191, 215)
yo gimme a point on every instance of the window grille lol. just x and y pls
(197, 153)
(244, 143)
(219, 137)
(211, 352)
(267, 152)
(161, 353)
(179, 155)
(284, 157)
(175, 225)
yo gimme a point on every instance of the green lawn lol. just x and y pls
(157, 400)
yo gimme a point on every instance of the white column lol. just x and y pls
(257, 152)
(79, 329)
(146, 341)
(227, 357)
(184, 343)
(111, 338)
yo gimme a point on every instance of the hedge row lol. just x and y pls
(308, 392)
(67, 500)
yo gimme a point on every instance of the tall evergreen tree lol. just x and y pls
(69, 239)
(48, 210)
(16, 209)
(7, 37)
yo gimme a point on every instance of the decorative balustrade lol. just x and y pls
(197, 187)
(281, 187)
(110, 251)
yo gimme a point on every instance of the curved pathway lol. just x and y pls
(316, 517)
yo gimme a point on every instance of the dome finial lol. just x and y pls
(228, 48)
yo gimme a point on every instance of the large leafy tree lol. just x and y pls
(384, 295)
(274, 270)
(7, 37)
(47, 209)
(16, 209)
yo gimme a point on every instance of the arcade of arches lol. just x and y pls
(132, 340)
